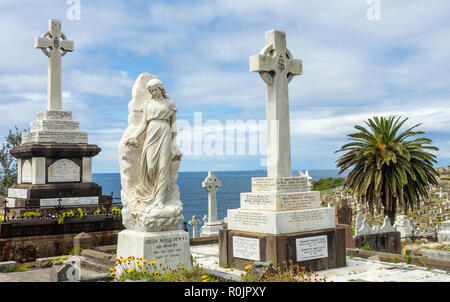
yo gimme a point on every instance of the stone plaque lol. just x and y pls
(246, 248)
(168, 248)
(18, 193)
(311, 248)
(26, 171)
(279, 184)
(70, 201)
(64, 170)
(280, 201)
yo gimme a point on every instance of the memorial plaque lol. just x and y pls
(246, 248)
(18, 193)
(64, 170)
(70, 201)
(273, 201)
(280, 184)
(166, 248)
(26, 171)
(311, 248)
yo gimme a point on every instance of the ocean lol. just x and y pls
(195, 197)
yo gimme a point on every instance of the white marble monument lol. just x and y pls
(55, 155)
(149, 159)
(279, 203)
(212, 225)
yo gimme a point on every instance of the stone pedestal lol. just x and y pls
(315, 250)
(282, 220)
(54, 161)
(211, 229)
(169, 248)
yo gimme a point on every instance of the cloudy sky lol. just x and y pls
(353, 68)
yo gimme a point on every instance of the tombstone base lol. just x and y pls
(169, 248)
(211, 230)
(315, 250)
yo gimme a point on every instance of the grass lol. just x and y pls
(58, 258)
(367, 247)
(16, 269)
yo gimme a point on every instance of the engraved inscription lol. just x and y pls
(246, 248)
(71, 201)
(63, 170)
(26, 171)
(18, 193)
(306, 200)
(301, 217)
(279, 184)
(311, 248)
(250, 218)
(166, 248)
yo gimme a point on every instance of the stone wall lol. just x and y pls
(380, 242)
(24, 249)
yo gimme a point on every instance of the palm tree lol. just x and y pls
(388, 169)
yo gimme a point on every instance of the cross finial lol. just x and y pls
(54, 45)
(211, 183)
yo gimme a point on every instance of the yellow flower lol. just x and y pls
(248, 267)
(144, 261)
(112, 273)
(144, 271)
(140, 265)
(130, 270)
(157, 272)
(112, 269)
(205, 280)
(205, 276)
(152, 262)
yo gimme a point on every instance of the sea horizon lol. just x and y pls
(195, 198)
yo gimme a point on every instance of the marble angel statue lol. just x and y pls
(149, 159)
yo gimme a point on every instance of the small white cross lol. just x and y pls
(211, 185)
(194, 222)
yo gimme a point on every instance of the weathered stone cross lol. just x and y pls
(211, 184)
(54, 49)
(277, 67)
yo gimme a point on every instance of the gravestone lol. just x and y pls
(54, 160)
(194, 223)
(281, 219)
(404, 225)
(212, 225)
(444, 233)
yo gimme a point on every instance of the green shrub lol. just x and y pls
(409, 259)
(139, 269)
(30, 214)
(58, 258)
(328, 183)
(367, 247)
(76, 250)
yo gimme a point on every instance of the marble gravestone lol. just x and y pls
(281, 219)
(149, 159)
(212, 225)
(54, 159)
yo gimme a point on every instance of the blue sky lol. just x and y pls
(354, 68)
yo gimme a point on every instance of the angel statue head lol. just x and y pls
(156, 89)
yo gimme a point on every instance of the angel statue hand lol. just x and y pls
(132, 141)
